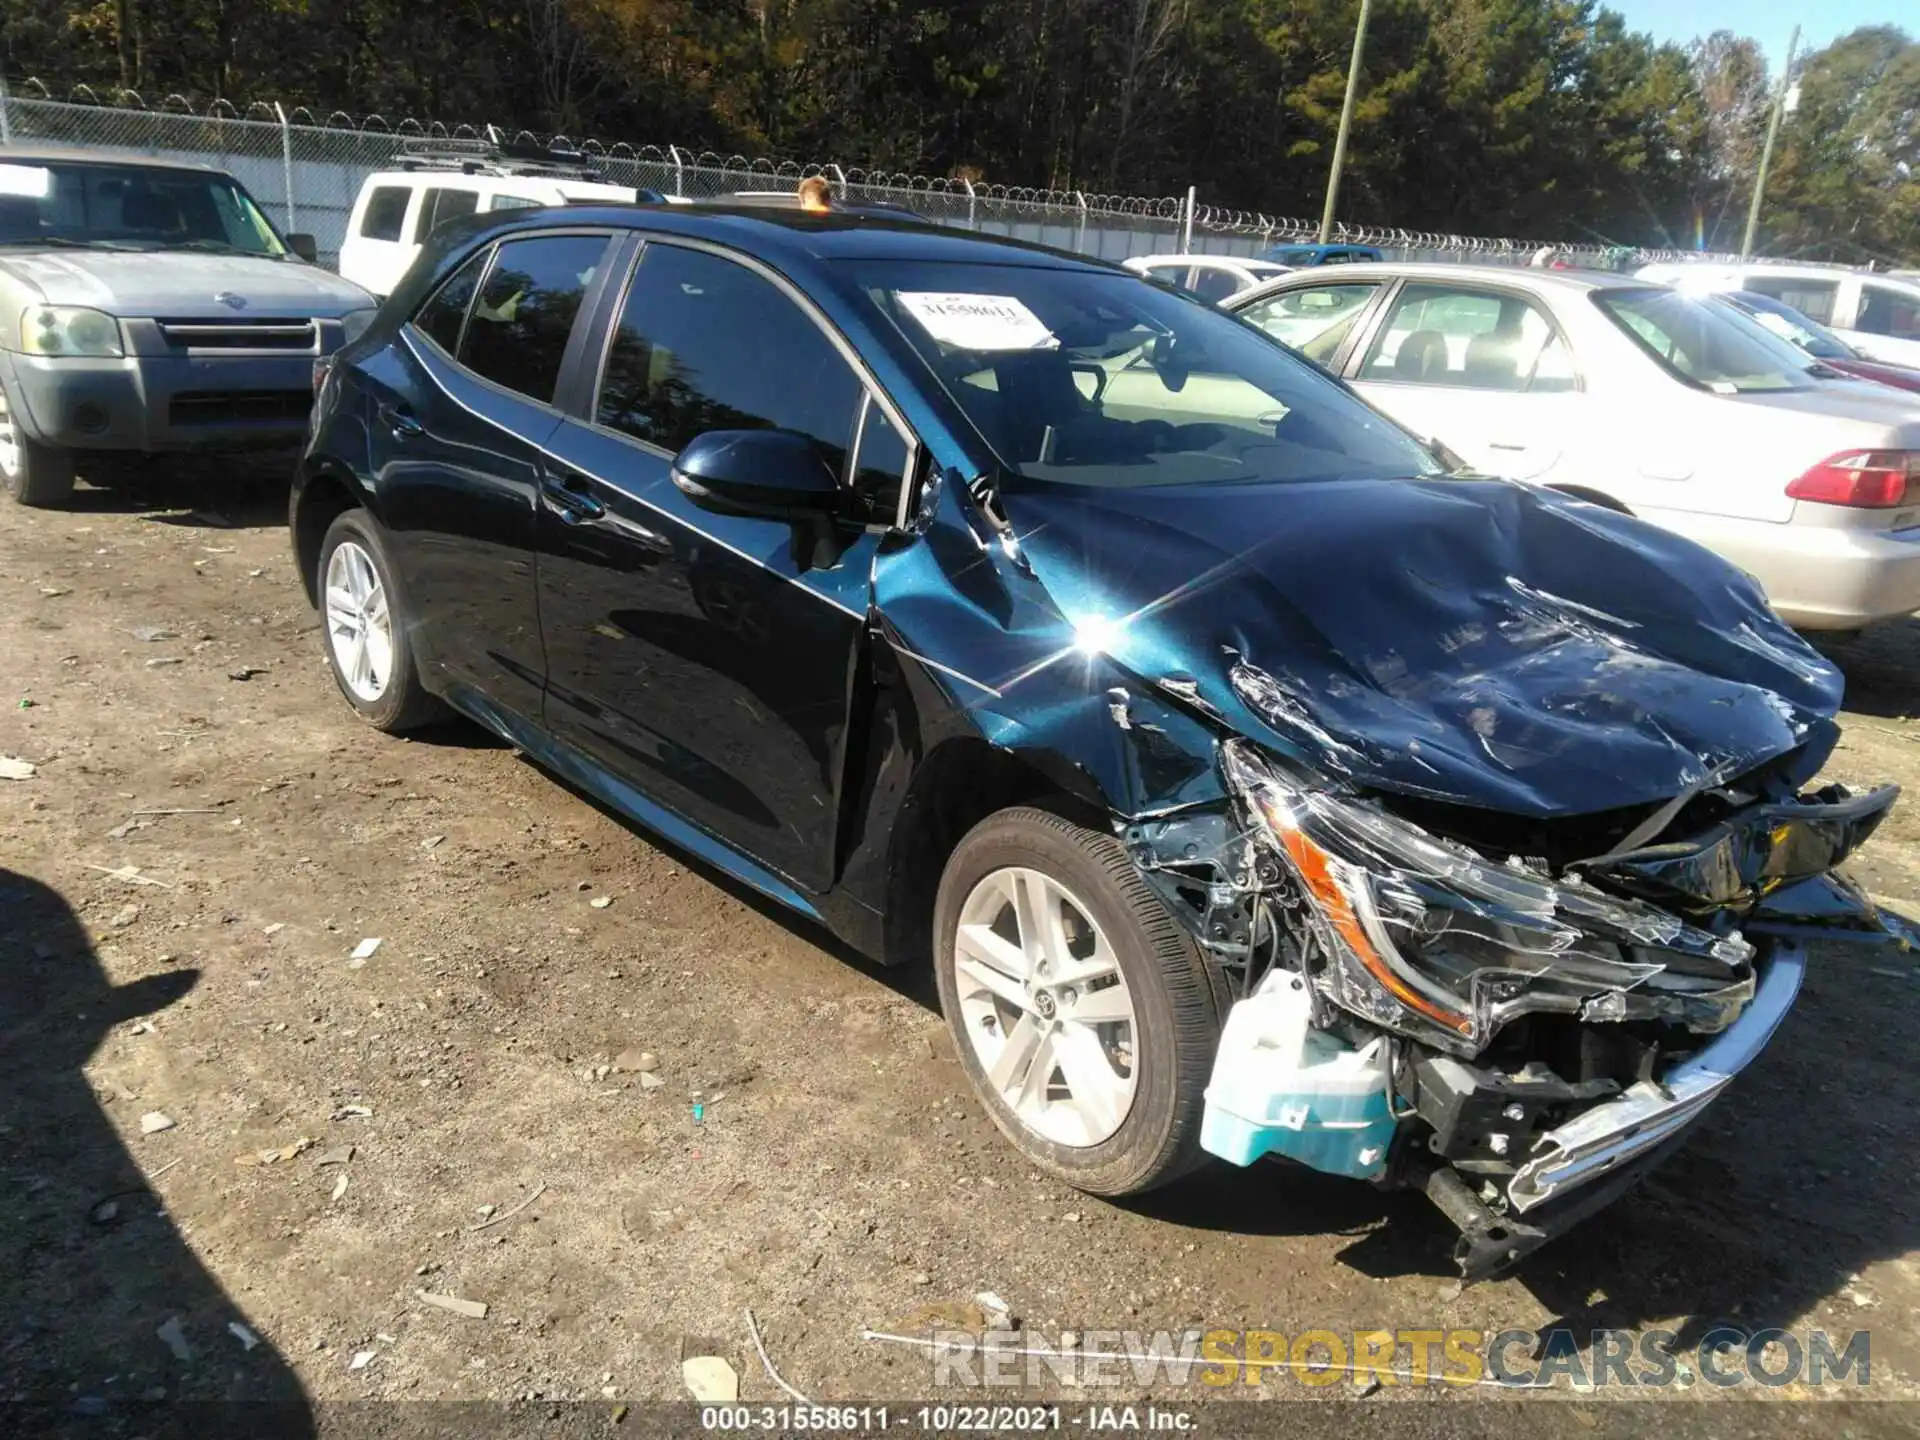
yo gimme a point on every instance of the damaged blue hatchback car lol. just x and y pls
(1255, 785)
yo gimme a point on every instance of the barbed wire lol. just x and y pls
(84, 111)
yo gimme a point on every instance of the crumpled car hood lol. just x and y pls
(1477, 641)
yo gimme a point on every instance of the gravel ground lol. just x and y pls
(187, 878)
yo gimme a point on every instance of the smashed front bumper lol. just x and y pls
(1520, 1038)
(1586, 1162)
(1613, 1132)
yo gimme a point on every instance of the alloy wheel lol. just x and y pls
(359, 626)
(1046, 1008)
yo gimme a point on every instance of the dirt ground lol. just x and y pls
(840, 1178)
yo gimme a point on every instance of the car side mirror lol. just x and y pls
(304, 245)
(773, 473)
(1168, 363)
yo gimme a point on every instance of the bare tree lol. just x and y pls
(560, 48)
(1148, 28)
(1732, 75)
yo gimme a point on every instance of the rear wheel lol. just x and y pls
(35, 474)
(366, 628)
(1084, 1016)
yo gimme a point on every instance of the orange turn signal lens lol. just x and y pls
(1315, 867)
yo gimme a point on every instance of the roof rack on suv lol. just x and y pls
(495, 155)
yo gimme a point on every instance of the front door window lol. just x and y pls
(1470, 339)
(706, 344)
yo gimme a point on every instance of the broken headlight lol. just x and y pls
(1432, 939)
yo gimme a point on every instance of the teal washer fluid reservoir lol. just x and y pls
(1282, 1087)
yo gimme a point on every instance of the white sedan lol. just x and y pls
(1638, 397)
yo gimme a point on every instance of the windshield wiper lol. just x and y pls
(216, 247)
(39, 242)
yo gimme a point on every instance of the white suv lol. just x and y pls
(398, 209)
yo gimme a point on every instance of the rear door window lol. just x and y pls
(386, 213)
(1169, 274)
(441, 204)
(1315, 320)
(523, 316)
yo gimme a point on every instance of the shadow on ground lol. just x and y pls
(213, 492)
(1882, 668)
(94, 1277)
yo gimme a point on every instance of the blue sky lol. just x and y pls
(1768, 21)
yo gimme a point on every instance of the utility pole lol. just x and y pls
(1346, 121)
(1766, 150)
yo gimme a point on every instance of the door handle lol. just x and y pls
(1505, 445)
(570, 496)
(404, 424)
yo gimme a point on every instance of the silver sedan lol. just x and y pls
(1636, 396)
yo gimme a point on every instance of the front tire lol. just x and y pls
(35, 474)
(363, 620)
(1085, 1017)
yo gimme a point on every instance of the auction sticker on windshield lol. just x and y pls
(978, 322)
(32, 181)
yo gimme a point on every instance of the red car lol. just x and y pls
(1818, 341)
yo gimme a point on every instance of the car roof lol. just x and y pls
(1196, 258)
(777, 234)
(1525, 277)
(428, 176)
(1757, 269)
(1309, 247)
(89, 155)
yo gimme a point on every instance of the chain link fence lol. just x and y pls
(306, 170)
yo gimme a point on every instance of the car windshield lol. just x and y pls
(1705, 344)
(130, 207)
(1103, 379)
(1790, 325)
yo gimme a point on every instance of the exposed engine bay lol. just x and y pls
(1518, 1016)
